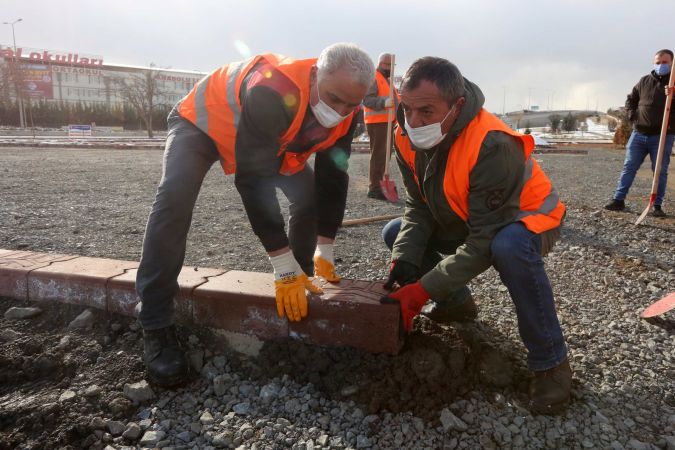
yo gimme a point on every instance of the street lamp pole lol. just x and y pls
(22, 114)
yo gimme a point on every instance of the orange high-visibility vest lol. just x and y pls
(379, 116)
(214, 107)
(540, 208)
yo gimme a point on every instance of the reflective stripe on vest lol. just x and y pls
(213, 105)
(202, 115)
(540, 207)
(381, 115)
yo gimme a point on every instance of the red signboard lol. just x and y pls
(37, 81)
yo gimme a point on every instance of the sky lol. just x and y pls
(555, 54)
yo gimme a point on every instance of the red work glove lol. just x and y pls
(411, 298)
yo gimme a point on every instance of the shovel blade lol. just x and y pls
(389, 189)
(659, 307)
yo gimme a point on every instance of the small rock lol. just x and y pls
(222, 440)
(349, 390)
(451, 421)
(9, 335)
(670, 442)
(17, 313)
(637, 445)
(184, 436)
(64, 342)
(418, 424)
(138, 392)
(84, 320)
(362, 441)
(97, 423)
(92, 391)
(150, 438)
(120, 406)
(115, 427)
(206, 418)
(219, 362)
(241, 408)
(67, 396)
(132, 432)
(269, 392)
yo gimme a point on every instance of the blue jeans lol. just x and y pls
(517, 256)
(638, 147)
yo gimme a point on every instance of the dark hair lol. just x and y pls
(664, 51)
(441, 72)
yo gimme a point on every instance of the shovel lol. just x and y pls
(662, 144)
(388, 186)
(660, 307)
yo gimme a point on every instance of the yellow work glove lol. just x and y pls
(324, 263)
(290, 283)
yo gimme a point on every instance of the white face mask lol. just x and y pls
(427, 136)
(327, 116)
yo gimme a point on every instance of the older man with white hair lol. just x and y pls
(262, 119)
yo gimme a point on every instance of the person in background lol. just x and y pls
(645, 106)
(377, 105)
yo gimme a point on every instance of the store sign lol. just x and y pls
(46, 56)
(37, 81)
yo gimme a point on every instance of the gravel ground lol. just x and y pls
(451, 387)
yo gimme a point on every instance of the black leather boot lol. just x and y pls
(550, 390)
(466, 312)
(165, 361)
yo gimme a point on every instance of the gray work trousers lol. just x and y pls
(188, 156)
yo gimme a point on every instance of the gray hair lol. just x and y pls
(347, 56)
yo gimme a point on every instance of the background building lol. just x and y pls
(69, 77)
(60, 88)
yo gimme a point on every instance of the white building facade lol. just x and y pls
(68, 77)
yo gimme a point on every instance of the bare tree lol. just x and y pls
(142, 92)
(12, 83)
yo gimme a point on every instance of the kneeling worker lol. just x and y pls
(476, 196)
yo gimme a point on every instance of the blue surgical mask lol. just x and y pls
(662, 69)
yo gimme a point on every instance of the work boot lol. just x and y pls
(376, 194)
(658, 211)
(550, 390)
(165, 361)
(616, 205)
(438, 312)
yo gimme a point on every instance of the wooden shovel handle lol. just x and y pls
(390, 116)
(362, 220)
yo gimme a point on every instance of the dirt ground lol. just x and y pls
(40, 358)
(95, 203)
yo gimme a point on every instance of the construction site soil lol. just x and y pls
(63, 388)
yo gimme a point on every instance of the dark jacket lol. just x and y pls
(265, 117)
(646, 104)
(498, 170)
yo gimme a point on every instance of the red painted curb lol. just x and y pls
(348, 314)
